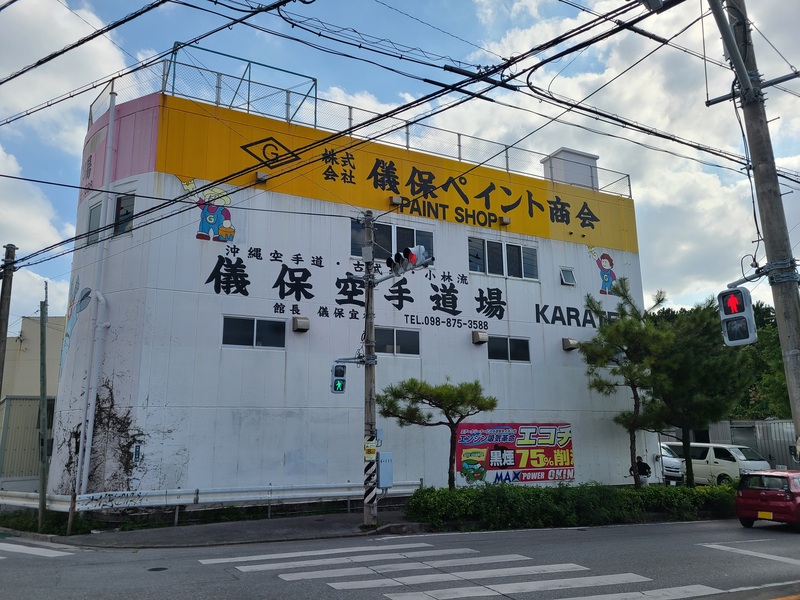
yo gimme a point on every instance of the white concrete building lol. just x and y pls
(227, 226)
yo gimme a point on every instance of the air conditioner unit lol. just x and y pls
(300, 323)
(569, 344)
(480, 337)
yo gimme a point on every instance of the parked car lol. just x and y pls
(772, 495)
(672, 467)
(720, 463)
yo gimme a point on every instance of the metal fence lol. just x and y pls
(300, 104)
(209, 498)
(774, 439)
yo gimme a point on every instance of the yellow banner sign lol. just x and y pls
(199, 141)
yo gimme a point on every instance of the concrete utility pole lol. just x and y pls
(42, 409)
(5, 305)
(370, 434)
(781, 266)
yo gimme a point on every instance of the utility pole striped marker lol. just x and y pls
(370, 478)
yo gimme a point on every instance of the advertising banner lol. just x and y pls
(519, 453)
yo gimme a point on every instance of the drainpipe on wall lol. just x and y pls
(98, 325)
(97, 359)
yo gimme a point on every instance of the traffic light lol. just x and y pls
(407, 260)
(338, 379)
(736, 312)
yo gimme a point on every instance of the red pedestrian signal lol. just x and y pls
(736, 312)
(732, 302)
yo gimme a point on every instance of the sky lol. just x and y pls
(697, 224)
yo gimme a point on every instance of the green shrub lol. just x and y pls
(439, 506)
(505, 506)
(676, 503)
(603, 505)
(717, 499)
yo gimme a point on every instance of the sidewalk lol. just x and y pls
(277, 529)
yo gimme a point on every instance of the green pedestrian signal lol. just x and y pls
(338, 379)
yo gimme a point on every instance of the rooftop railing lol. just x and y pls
(298, 102)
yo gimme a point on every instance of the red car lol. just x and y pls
(772, 495)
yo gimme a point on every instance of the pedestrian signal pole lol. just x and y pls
(781, 266)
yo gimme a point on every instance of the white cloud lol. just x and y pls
(32, 30)
(27, 293)
(695, 222)
(30, 221)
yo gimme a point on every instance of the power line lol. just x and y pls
(474, 45)
(142, 64)
(356, 39)
(5, 5)
(102, 31)
(306, 149)
(65, 5)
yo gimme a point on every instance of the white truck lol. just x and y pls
(672, 467)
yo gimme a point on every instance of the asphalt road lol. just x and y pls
(715, 559)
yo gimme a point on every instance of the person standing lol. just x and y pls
(641, 470)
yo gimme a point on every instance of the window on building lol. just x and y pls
(513, 260)
(123, 221)
(506, 348)
(389, 239)
(530, 263)
(94, 224)
(567, 276)
(406, 237)
(477, 255)
(496, 258)
(396, 341)
(243, 331)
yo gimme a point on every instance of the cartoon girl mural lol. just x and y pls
(607, 276)
(215, 219)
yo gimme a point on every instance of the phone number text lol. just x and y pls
(447, 322)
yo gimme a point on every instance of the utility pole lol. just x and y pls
(370, 359)
(5, 305)
(781, 266)
(42, 409)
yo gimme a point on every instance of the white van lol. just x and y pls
(672, 468)
(720, 463)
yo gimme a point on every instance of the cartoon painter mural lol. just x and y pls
(606, 265)
(77, 302)
(215, 219)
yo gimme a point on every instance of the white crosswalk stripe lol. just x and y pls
(390, 568)
(422, 566)
(352, 559)
(234, 559)
(34, 550)
(470, 575)
(676, 593)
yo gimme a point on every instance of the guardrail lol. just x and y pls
(269, 495)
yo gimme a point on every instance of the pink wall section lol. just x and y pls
(136, 124)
